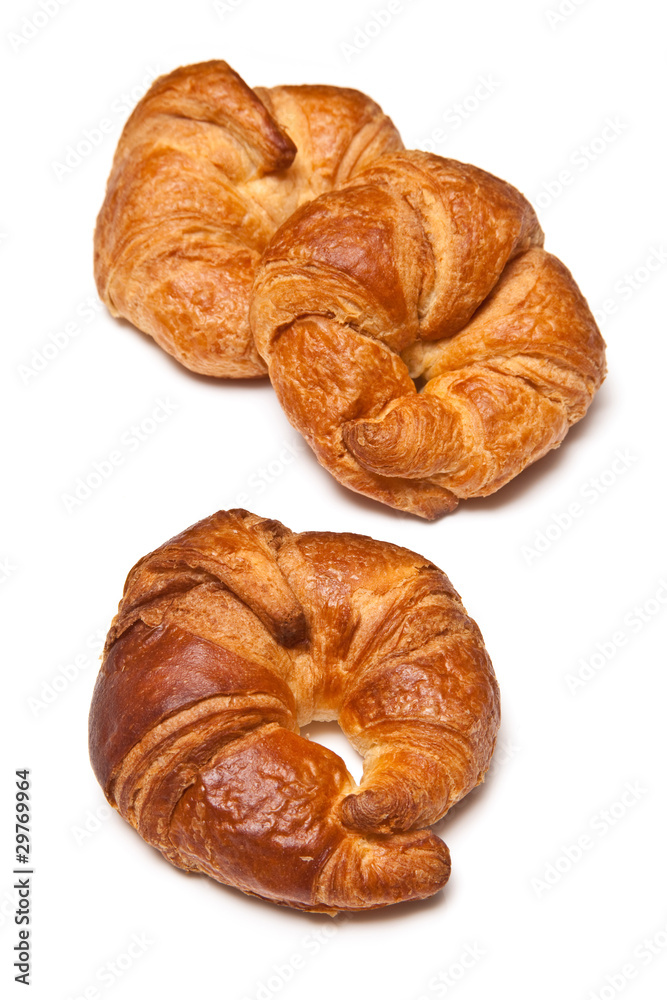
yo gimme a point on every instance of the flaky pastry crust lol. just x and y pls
(237, 632)
(419, 336)
(205, 171)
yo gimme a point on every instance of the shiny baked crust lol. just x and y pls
(419, 336)
(233, 635)
(205, 171)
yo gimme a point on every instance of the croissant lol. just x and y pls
(205, 171)
(237, 632)
(418, 335)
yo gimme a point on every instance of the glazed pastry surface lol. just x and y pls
(237, 632)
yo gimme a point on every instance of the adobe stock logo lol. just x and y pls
(634, 621)
(92, 137)
(632, 281)
(590, 493)
(282, 973)
(67, 673)
(108, 974)
(222, 7)
(264, 476)
(558, 15)
(91, 823)
(579, 161)
(131, 440)
(34, 23)
(365, 33)
(59, 340)
(599, 826)
(7, 568)
(458, 114)
(441, 984)
(651, 947)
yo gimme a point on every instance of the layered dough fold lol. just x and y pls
(236, 633)
(419, 336)
(205, 171)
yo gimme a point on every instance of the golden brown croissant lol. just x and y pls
(238, 631)
(418, 335)
(205, 171)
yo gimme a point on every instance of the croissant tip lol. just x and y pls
(369, 873)
(372, 810)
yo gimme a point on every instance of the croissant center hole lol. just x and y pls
(331, 736)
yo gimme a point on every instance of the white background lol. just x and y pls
(530, 921)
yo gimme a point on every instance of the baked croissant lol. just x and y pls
(205, 171)
(418, 335)
(238, 631)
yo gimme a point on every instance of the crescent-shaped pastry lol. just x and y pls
(419, 336)
(233, 635)
(205, 171)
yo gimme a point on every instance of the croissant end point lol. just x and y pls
(373, 809)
